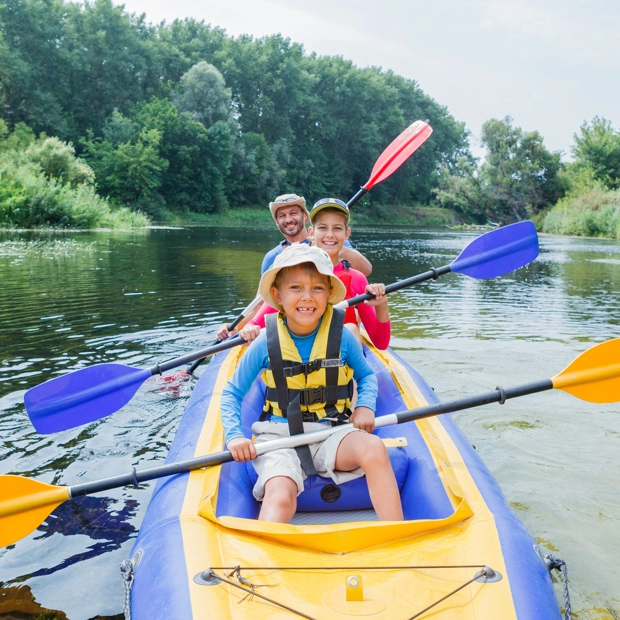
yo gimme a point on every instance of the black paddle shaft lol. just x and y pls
(431, 274)
(158, 369)
(360, 192)
(499, 395)
(190, 370)
(134, 478)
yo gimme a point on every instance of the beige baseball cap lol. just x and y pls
(288, 200)
(297, 254)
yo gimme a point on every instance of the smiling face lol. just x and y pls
(330, 230)
(303, 293)
(292, 221)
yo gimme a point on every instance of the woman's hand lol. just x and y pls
(364, 419)
(250, 332)
(379, 302)
(242, 449)
(378, 290)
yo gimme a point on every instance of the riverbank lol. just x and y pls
(399, 215)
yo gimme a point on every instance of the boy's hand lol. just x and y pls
(364, 419)
(242, 449)
(250, 332)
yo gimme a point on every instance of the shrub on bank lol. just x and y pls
(43, 184)
(591, 212)
(30, 200)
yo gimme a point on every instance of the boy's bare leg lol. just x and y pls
(369, 453)
(280, 500)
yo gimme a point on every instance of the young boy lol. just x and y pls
(302, 286)
(329, 231)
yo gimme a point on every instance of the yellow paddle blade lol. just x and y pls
(595, 375)
(24, 505)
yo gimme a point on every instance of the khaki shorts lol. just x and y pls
(285, 462)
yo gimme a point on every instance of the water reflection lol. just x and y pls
(95, 517)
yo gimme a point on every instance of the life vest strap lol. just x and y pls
(286, 404)
(327, 394)
(292, 369)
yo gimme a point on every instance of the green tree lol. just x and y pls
(293, 121)
(255, 174)
(130, 172)
(202, 93)
(33, 69)
(518, 178)
(18, 139)
(597, 148)
(199, 158)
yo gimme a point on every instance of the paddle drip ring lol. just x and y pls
(134, 478)
(434, 272)
(502, 394)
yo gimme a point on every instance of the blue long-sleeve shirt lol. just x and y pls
(256, 360)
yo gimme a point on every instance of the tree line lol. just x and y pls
(180, 116)
(519, 178)
(184, 117)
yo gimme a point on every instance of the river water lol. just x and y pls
(69, 300)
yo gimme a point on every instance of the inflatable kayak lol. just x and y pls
(460, 553)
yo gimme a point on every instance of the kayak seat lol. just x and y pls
(320, 494)
(421, 488)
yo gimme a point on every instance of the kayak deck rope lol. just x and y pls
(554, 563)
(210, 577)
(482, 573)
(127, 569)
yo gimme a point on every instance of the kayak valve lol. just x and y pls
(355, 589)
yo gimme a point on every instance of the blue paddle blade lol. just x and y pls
(82, 396)
(498, 252)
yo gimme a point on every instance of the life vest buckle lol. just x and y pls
(333, 363)
(310, 367)
(312, 396)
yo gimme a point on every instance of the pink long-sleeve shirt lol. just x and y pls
(378, 332)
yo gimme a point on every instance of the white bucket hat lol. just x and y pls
(297, 254)
(288, 200)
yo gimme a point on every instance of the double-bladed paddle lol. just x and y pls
(392, 158)
(594, 376)
(89, 394)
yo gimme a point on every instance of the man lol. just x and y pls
(291, 216)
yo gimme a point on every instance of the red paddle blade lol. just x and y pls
(398, 152)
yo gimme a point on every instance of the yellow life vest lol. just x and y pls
(324, 383)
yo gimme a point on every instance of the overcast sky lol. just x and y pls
(550, 64)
